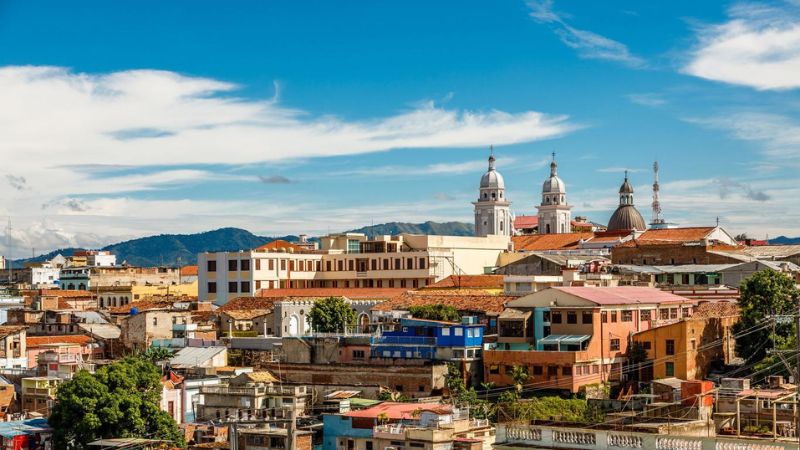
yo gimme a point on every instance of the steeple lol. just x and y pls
(554, 166)
(626, 217)
(492, 215)
(554, 212)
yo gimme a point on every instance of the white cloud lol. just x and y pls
(647, 99)
(759, 47)
(476, 167)
(779, 136)
(619, 170)
(588, 44)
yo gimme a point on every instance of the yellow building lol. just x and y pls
(39, 394)
(686, 349)
(113, 296)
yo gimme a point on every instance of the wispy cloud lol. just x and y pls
(430, 169)
(17, 182)
(274, 179)
(778, 135)
(727, 186)
(759, 47)
(618, 169)
(586, 43)
(647, 99)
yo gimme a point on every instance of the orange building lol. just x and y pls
(570, 337)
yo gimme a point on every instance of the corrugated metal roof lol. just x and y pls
(194, 356)
(101, 330)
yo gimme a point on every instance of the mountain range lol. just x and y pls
(182, 249)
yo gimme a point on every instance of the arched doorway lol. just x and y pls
(294, 325)
(363, 323)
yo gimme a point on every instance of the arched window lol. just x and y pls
(294, 326)
(547, 228)
(501, 225)
(494, 196)
(562, 199)
(484, 195)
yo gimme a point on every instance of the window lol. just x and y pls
(212, 287)
(385, 264)
(673, 313)
(627, 316)
(422, 263)
(258, 264)
(211, 266)
(555, 317)
(670, 369)
(232, 265)
(358, 354)
(459, 331)
(232, 285)
(586, 317)
(614, 345)
(244, 265)
(368, 445)
(572, 317)
(397, 264)
(245, 286)
(327, 266)
(445, 331)
(494, 370)
(283, 264)
(537, 370)
(644, 316)
(604, 317)
(664, 314)
(566, 370)
(552, 371)
(646, 345)
(613, 316)
(670, 347)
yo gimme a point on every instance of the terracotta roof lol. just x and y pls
(670, 236)
(59, 293)
(560, 241)
(353, 293)
(37, 341)
(262, 376)
(245, 303)
(522, 222)
(203, 316)
(709, 310)
(6, 330)
(188, 271)
(7, 395)
(463, 300)
(621, 295)
(469, 281)
(397, 411)
(246, 314)
(280, 244)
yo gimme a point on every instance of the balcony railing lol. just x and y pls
(404, 340)
(253, 390)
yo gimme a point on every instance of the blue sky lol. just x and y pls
(123, 119)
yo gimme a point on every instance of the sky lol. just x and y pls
(126, 119)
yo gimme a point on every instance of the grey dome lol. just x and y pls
(626, 217)
(554, 184)
(626, 187)
(492, 178)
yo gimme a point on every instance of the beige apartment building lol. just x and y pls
(348, 260)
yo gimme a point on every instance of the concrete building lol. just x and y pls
(39, 394)
(492, 214)
(13, 349)
(97, 258)
(138, 331)
(112, 296)
(348, 261)
(676, 246)
(554, 215)
(251, 396)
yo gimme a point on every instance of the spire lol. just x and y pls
(553, 166)
(491, 157)
(626, 174)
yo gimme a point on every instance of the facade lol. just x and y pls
(39, 394)
(13, 349)
(273, 439)
(348, 261)
(676, 246)
(138, 331)
(571, 337)
(554, 215)
(492, 214)
(430, 339)
(250, 396)
(112, 296)
(98, 258)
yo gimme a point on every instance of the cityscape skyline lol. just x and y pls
(289, 122)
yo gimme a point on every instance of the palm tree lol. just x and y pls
(520, 375)
(487, 386)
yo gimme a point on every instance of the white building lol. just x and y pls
(554, 212)
(347, 261)
(101, 258)
(44, 275)
(492, 215)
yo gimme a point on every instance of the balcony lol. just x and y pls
(60, 358)
(404, 340)
(253, 391)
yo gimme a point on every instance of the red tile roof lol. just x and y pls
(59, 293)
(523, 222)
(248, 303)
(622, 295)
(7, 395)
(6, 330)
(280, 244)
(670, 236)
(189, 271)
(538, 242)
(398, 411)
(707, 310)
(463, 300)
(354, 293)
(469, 282)
(37, 341)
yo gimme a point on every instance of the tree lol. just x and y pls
(765, 294)
(637, 355)
(331, 315)
(741, 237)
(435, 312)
(120, 400)
(520, 375)
(156, 354)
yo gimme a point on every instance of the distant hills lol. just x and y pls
(172, 249)
(783, 240)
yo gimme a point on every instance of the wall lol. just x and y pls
(668, 255)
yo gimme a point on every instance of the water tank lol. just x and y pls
(134, 311)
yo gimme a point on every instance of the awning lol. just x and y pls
(567, 339)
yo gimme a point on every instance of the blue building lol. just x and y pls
(430, 339)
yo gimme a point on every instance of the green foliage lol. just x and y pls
(520, 376)
(156, 354)
(453, 380)
(637, 355)
(331, 315)
(764, 294)
(554, 408)
(435, 312)
(120, 400)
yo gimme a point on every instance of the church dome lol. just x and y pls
(492, 178)
(626, 187)
(554, 184)
(626, 217)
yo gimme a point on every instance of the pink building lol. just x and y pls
(76, 345)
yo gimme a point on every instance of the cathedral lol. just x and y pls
(492, 210)
(554, 212)
(626, 217)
